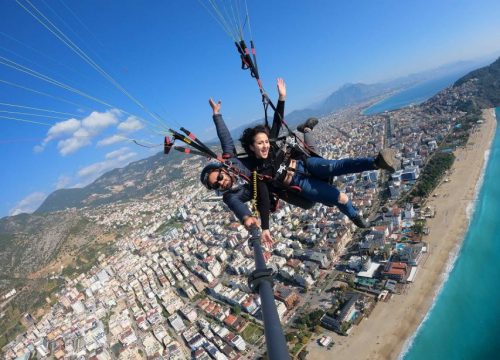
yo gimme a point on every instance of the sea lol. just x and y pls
(464, 320)
(413, 95)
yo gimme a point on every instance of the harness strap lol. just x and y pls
(247, 63)
(265, 104)
(255, 211)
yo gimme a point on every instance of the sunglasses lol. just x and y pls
(217, 185)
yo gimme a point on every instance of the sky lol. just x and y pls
(156, 63)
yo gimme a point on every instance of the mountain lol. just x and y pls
(487, 82)
(482, 87)
(458, 68)
(347, 95)
(134, 181)
(60, 232)
(146, 176)
(28, 242)
(351, 94)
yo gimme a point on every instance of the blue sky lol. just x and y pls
(172, 56)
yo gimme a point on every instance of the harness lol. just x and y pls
(289, 149)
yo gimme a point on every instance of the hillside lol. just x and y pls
(487, 82)
(146, 176)
(352, 94)
(347, 95)
(45, 232)
(38, 252)
(29, 242)
(134, 181)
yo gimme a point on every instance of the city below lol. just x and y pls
(171, 283)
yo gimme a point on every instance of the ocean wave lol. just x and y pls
(452, 259)
(450, 264)
(471, 206)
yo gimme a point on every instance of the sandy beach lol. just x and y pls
(384, 334)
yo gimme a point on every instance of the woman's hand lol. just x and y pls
(215, 106)
(266, 239)
(281, 89)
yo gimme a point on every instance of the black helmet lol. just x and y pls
(207, 170)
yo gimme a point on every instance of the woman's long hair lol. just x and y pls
(248, 136)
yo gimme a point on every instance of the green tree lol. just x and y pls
(291, 336)
(344, 327)
(236, 310)
(418, 228)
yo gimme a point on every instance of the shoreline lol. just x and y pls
(389, 331)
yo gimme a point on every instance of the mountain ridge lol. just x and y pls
(135, 181)
(353, 93)
(60, 223)
(136, 173)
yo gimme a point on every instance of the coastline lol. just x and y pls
(389, 330)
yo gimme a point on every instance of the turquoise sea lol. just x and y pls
(413, 95)
(464, 322)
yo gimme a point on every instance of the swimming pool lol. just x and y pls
(400, 247)
(355, 315)
(407, 223)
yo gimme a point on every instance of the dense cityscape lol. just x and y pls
(176, 285)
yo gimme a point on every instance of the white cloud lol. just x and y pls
(60, 129)
(72, 144)
(111, 140)
(62, 182)
(63, 128)
(29, 204)
(131, 124)
(94, 170)
(38, 148)
(114, 159)
(117, 153)
(96, 121)
(126, 157)
(76, 134)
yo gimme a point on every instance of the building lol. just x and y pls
(411, 173)
(370, 176)
(177, 323)
(410, 254)
(286, 295)
(325, 341)
(330, 323)
(346, 312)
(398, 271)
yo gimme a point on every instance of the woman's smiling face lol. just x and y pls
(260, 146)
